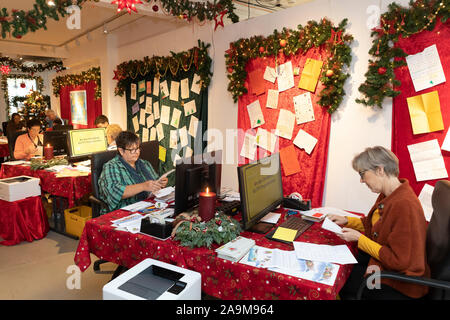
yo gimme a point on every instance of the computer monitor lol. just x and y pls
(195, 174)
(57, 139)
(261, 191)
(84, 142)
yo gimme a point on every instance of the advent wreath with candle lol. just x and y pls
(192, 232)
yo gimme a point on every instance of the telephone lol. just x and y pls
(296, 204)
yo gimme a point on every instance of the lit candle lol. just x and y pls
(207, 205)
(48, 152)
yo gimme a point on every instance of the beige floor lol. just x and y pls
(39, 270)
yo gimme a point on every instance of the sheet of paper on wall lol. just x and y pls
(164, 89)
(185, 88)
(135, 123)
(188, 152)
(285, 76)
(256, 81)
(446, 144)
(141, 86)
(425, 200)
(175, 159)
(196, 84)
(142, 99)
(144, 134)
(248, 146)
(152, 134)
(160, 131)
(285, 124)
(184, 139)
(310, 74)
(425, 113)
(150, 121)
(135, 108)
(425, 68)
(142, 119)
(270, 74)
(304, 111)
(148, 105)
(427, 160)
(193, 126)
(162, 154)
(289, 160)
(272, 99)
(266, 140)
(173, 139)
(148, 87)
(255, 114)
(156, 86)
(133, 93)
(176, 114)
(165, 114)
(156, 109)
(190, 108)
(305, 141)
(174, 90)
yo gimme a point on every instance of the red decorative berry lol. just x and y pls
(283, 43)
(218, 222)
(230, 70)
(261, 49)
(382, 70)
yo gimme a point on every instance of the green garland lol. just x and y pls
(18, 65)
(93, 74)
(292, 42)
(397, 21)
(220, 229)
(196, 57)
(20, 22)
(38, 164)
(4, 86)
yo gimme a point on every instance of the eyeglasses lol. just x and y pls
(132, 151)
(361, 174)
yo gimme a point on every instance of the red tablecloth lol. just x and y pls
(4, 150)
(71, 188)
(220, 278)
(22, 220)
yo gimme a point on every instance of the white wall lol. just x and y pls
(353, 127)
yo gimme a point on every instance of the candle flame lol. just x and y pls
(207, 190)
(48, 145)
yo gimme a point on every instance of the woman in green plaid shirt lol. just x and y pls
(126, 179)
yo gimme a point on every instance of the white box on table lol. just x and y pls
(17, 188)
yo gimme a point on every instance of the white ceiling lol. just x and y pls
(97, 16)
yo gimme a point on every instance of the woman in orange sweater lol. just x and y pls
(29, 144)
(394, 230)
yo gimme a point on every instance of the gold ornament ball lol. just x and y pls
(329, 73)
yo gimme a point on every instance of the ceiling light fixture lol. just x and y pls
(105, 31)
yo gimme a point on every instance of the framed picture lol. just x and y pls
(78, 107)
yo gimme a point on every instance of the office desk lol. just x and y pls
(220, 278)
(72, 188)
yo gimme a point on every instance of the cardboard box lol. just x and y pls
(17, 188)
(76, 218)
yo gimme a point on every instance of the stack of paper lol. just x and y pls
(340, 254)
(235, 249)
(131, 223)
(165, 195)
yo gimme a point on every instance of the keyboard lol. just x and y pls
(295, 223)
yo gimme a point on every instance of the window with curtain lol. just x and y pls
(19, 88)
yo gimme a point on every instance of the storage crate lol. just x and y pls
(76, 218)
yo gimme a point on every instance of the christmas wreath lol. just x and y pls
(397, 21)
(38, 164)
(192, 232)
(291, 42)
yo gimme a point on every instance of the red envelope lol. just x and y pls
(256, 82)
(289, 160)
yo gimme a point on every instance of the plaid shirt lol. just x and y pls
(113, 180)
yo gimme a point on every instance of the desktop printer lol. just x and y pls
(154, 280)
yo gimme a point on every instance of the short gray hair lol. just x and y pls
(376, 157)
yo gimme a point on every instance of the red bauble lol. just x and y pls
(155, 8)
(261, 49)
(283, 43)
(230, 70)
(23, 85)
(382, 70)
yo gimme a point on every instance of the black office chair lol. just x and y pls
(150, 152)
(12, 137)
(4, 126)
(437, 249)
(97, 162)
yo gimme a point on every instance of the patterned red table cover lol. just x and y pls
(220, 278)
(71, 188)
(4, 150)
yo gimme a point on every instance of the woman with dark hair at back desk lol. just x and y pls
(126, 179)
(395, 230)
(29, 144)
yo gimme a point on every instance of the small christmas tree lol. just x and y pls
(34, 106)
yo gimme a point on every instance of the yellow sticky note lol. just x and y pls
(285, 234)
(162, 153)
(310, 75)
(425, 113)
